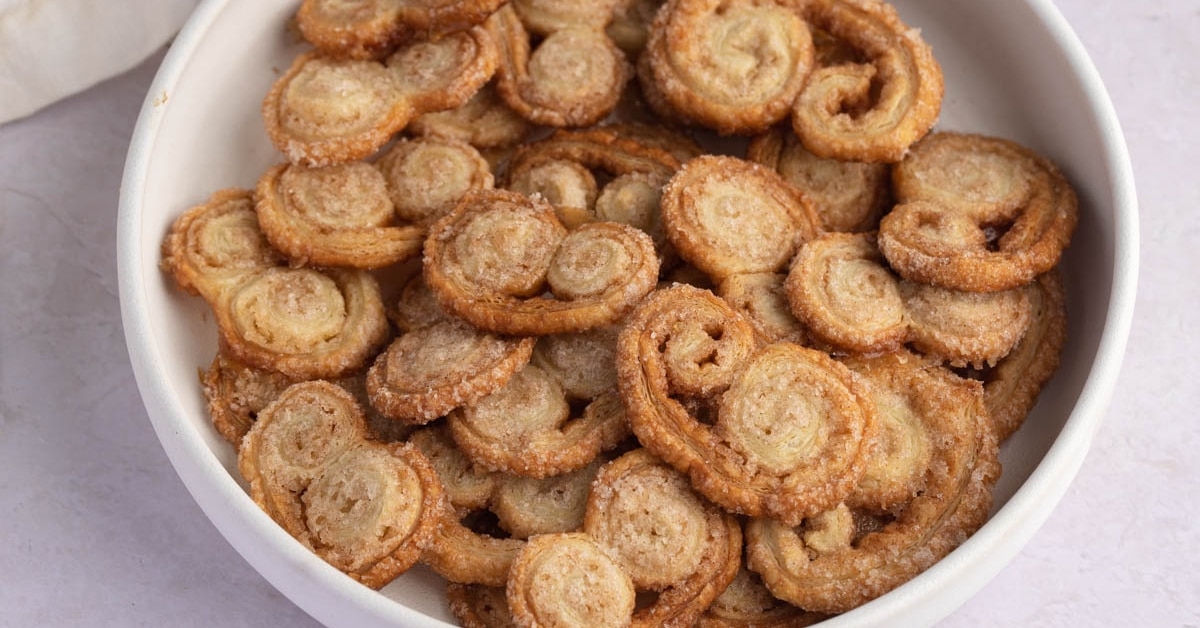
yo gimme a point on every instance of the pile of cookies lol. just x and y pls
(626, 312)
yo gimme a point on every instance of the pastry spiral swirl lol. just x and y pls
(484, 121)
(841, 288)
(490, 260)
(726, 215)
(543, 17)
(338, 215)
(827, 564)
(425, 177)
(366, 508)
(326, 110)
(664, 535)
(216, 244)
(301, 322)
(527, 428)
(731, 65)
(977, 213)
(426, 373)
(633, 162)
(573, 78)
(356, 30)
(568, 580)
(530, 506)
(793, 428)
(870, 111)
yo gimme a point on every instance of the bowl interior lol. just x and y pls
(1012, 70)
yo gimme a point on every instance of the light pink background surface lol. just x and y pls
(98, 529)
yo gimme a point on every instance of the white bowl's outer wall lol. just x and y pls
(1013, 69)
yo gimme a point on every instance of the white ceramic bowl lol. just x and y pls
(1013, 69)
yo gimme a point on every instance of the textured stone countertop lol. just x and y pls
(99, 530)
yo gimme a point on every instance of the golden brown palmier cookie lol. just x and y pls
(493, 242)
(683, 340)
(292, 442)
(528, 428)
(841, 288)
(460, 554)
(726, 215)
(364, 30)
(478, 606)
(583, 363)
(366, 508)
(484, 122)
(324, 110)
(468, 487)
(425, 177)
(793, 429)
(568, 580)
(664, 535)
(529, 506)
(977, 213)
(734, 66)
(762, 299)
(301, 322)
(965, 328)
(573, 78)
(1012, 386)
(442, 73)
(596, 257)
(216, 244)
(847, 195)
(871, 111)
(801, 427)
(829, 563)
(747, 603)
(426, 373)
(491, 259)
(337, 215)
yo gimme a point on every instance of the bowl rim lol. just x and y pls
(330, 597)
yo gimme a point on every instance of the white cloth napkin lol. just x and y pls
(50, 49)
